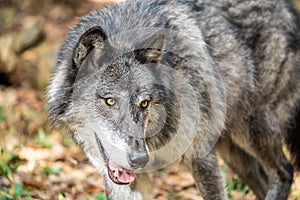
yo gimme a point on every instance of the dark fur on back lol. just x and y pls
(293, 139)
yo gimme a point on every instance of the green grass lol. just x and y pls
(100, 196)
(2, 115)
(235, 184)
(68, 141)
(52, 170)
(16, 192)
(42, 140)
(9, 163)
(97, 196)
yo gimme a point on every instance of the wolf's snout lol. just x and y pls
(138, 159)
(138, 156)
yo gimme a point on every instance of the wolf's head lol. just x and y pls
(116, 100)
(134, 98)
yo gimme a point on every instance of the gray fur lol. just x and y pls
(232, 85)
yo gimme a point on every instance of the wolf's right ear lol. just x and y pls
(67, 66)
(93, 38)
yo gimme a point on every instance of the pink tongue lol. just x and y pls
(123, 175)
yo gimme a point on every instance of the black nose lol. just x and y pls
(138, 159)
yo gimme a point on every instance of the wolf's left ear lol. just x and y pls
(151, 49)
(93, 38)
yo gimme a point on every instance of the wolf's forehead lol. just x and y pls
(118, 78)
(129, 40)
(116, 71)
(126, 84)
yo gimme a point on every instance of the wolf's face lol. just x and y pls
(121, 107)
(129, 101)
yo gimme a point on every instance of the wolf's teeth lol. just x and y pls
(116, 173)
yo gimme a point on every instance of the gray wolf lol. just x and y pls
(144, 83)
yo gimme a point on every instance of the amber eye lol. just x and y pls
(110, 101)
(144, 104)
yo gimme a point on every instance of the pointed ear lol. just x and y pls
(93, 38)
(151, 49)
(71, 55)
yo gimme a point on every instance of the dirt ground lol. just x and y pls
(40, 162)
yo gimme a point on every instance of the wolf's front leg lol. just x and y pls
(140, 189)
(207, 176)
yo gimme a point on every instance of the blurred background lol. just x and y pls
(37, 161)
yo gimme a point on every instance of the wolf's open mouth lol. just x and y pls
(116, 173)
(119, 175)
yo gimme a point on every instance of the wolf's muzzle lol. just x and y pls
(138, 157)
